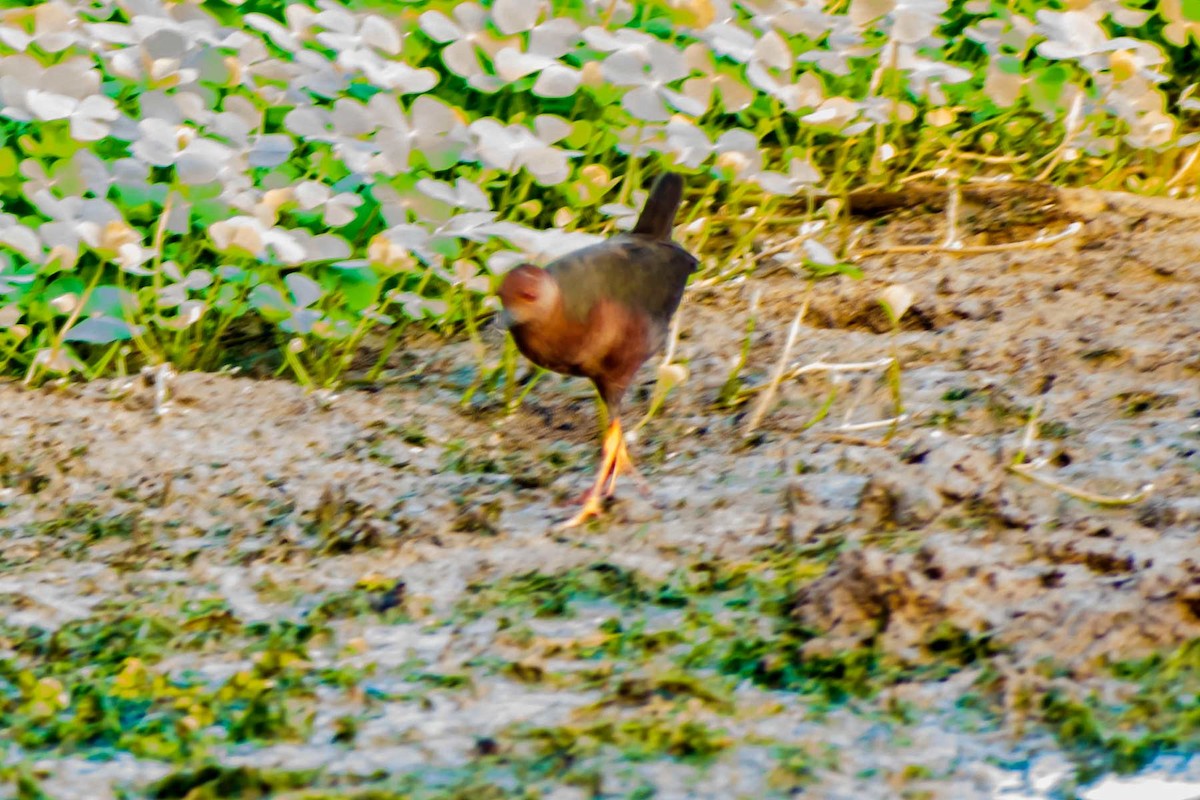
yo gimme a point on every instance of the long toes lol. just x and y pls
(593, 507)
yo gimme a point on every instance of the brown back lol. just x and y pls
(643, 269)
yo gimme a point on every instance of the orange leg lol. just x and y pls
(614, 460)
(623, 465)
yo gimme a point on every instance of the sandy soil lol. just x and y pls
(1105, 329)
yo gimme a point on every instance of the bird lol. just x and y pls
(600, 312)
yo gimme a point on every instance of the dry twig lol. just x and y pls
(780, 366)
(979, 249)
(1026, 470)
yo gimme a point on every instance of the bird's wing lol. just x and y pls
(639, 272)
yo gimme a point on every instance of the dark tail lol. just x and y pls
(658, 216)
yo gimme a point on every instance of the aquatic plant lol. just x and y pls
(192, 183)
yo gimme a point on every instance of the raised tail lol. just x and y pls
(658, 215)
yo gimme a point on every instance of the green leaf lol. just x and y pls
(149, 193)
(68, 284)
(829, 270)
(359, 286)
(267, 300)
(111, 301)
(447, 248)
(1046, 89)
(1009, 65)
(99, 330)
(8, 162)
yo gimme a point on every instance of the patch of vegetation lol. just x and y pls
(96, 683)
(1159, 713)
(957, 394)
(668, 660)
(637, 739)
(465, 457)
(951, 644)
(553, 595)
(1135, 403)
(342, 524)
(1053, 429)
(795, 767)
(215, 782)
(734, 625)
(730, 622)
(384, 597)
(306, 187)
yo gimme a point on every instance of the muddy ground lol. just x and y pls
(255, 495)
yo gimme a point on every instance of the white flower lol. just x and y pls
(513, 147)
(469, 40)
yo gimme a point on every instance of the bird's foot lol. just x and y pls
(596, 498)
(612, 455)
(614, 461)
(593, 506)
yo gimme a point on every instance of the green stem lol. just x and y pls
(529, 384)
(293, 360)
(823, 411)
(57, 342)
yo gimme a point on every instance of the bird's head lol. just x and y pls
(528, 293)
